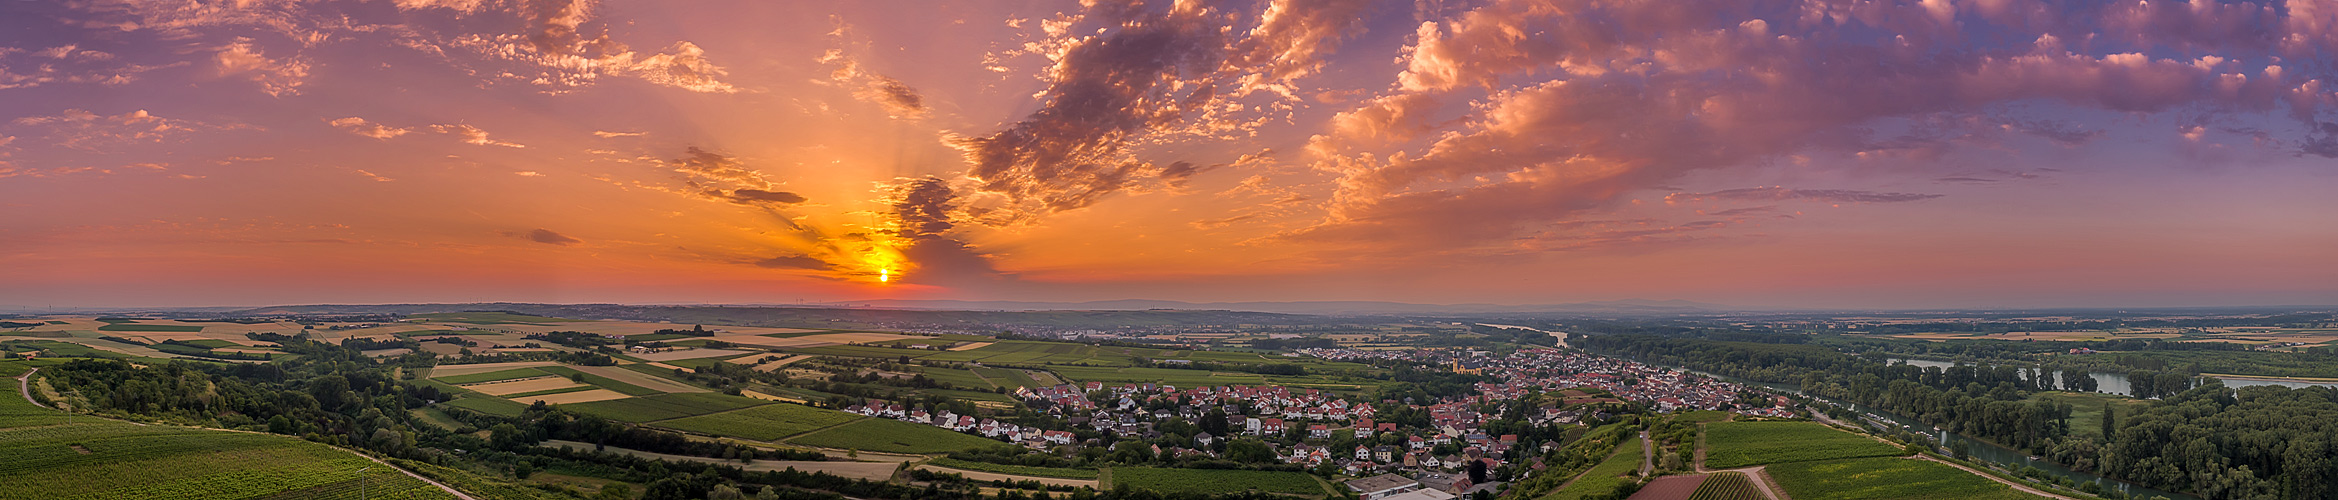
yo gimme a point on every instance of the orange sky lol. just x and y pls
(1784, 153)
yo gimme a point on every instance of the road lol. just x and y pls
(1993, 477)
(1648, 457)
(24, 386)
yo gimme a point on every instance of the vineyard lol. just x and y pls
(1605, 477)
(1739, 444)
(1727, 486)
(1877, 478)
(662, 406)
(1020, 470)
(46, 454)
(1215, 481)
(762, 423)
(894, 436)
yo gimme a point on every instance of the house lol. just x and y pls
(1363, 452)
(1252, 425)
(1417, 443)
(1057, 437)
(1273, 426)
(1319, 431)
(1364, 429)
(1384, 453)
(1381, 486)
(1205, 438)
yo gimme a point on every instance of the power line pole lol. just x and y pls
(361, 483)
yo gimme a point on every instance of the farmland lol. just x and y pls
(1877, 478)
(893, 436)
(762, 423)
(662, 407)
(474, 378)
(1020, 470)
(1739, 444)
(1727, 486)
(1216, 481)
(1606, 476)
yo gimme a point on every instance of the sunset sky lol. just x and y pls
(1993, 153)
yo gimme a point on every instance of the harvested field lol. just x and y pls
(1670, 488)
(638, 379)
(971, 346)
(574, 397)
(523, 385)
(781, 363)
(679, 354)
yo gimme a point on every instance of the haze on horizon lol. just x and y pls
(2001, 153)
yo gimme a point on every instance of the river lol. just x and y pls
(2116, 383)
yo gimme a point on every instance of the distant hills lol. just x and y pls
(1333, 308)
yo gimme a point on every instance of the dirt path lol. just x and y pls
(994, 476)
(1647, 458)
(24, 386)
(1992, 477)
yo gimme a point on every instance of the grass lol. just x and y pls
(894, 436)
(662, 406)
(436, 418)
(1019, 470)
(1006, 377)
(2086, 409)
(601, 382)
(547, 392)
(1871, 478)
(1216, 481)
(1605, 477)
(1703, 416)
(1739, 444)
(511, 374)
(964, 378)
(1727, 486)
(762, 423)
(132, 327)
(699, 363)
(42, 455)
(489, 405)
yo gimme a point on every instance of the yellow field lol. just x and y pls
(637, 379)
(971, 346)
(687, 353)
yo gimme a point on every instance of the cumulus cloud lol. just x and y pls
(360, 126)
(84, 130)
(276, 77)
(604, 134)
(472, 135)
(898, 99)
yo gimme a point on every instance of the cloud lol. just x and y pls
(750, 196)
(472, 135)
(898, 99)
(374, 176)
(545, 236)
(361, 127)
(604, 134)
(795, 262)
(276, 77)
(84, 130)
(1775, 193)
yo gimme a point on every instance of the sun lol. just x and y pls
(884, 275)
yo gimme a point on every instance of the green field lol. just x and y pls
(894, 436)
(1703, 416)
(2086, 409)
(1216, 481)
(1032, 353)
(1727, 486)
(1606, 476)
(1020, 470)
(1731, 445)
(964, 378)
(511, 374)
(1876, 478)
(46, 454)
(488, 405)
(662, 406)
(861, 351)
(601, 382)
(762, 423)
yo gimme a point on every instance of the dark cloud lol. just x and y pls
(541, 235)
(751, 196)
(1745, 211)
(895, 96)
(794, 262)
(1820, 195)
(922, 210)
(1972, 180)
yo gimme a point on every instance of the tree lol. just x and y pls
(1477, 471)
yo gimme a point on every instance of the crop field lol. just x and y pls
(1875, 478)
(1007, 377)
(488, 405)
(540, 383)
(1606, 476)
(490, 318)
(512, 374)
(1020, 470)
(1739, 444)
(134, 327)
(1703, 416)
(602, 382)
(1679, 487)
(1019, 352)
(762, 423)
(573, 397)
(663, 406)
(894, 436)
(862, 351)
(956, 377)
(1727, 486)
(43, 456)
(1216, 481)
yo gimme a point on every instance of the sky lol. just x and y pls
(1758, 153)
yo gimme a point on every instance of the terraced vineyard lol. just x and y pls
(1738, 444)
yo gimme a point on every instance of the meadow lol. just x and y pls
(894, 436)
(761, 423)
(1876, 478)
(1606, 476)
(663, 406)
(474, 378)
(1739, 444)
(1216, 481)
